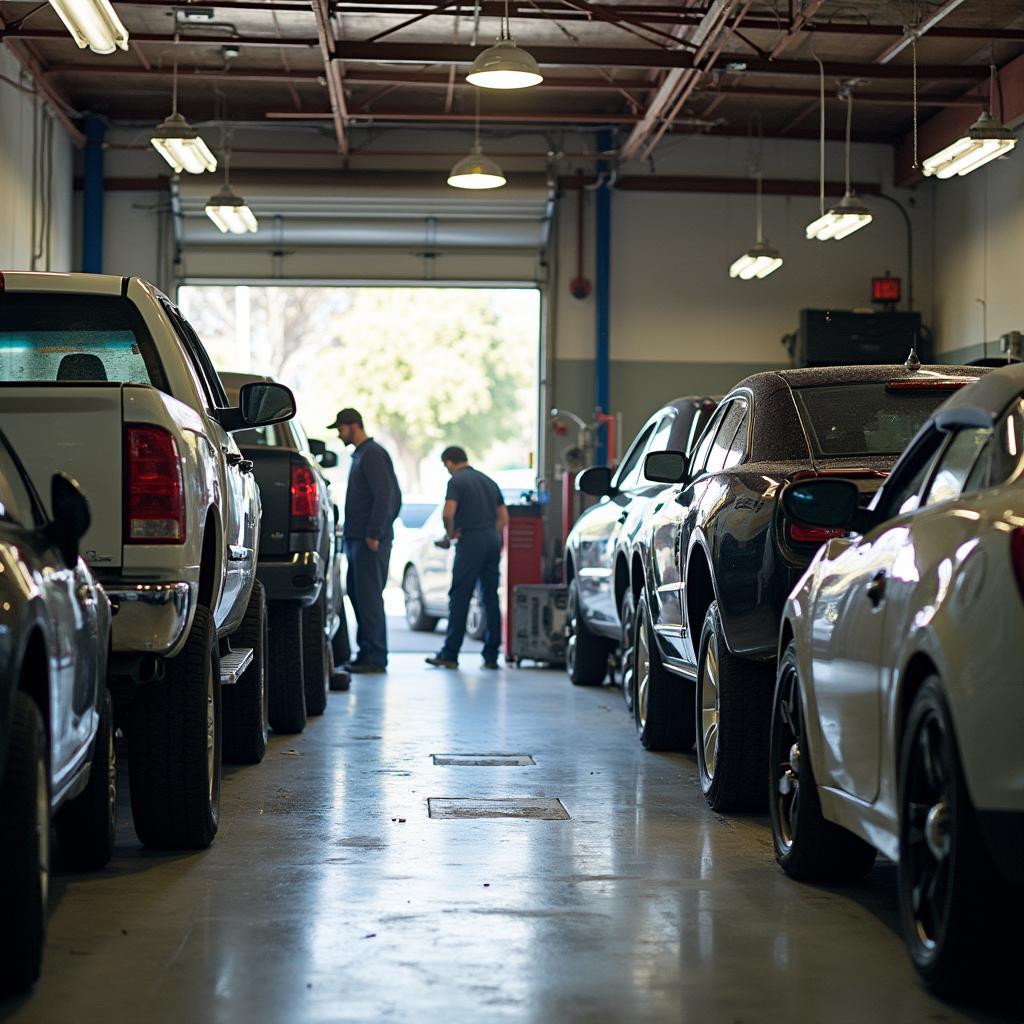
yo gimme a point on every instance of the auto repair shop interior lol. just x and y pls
(724, 296)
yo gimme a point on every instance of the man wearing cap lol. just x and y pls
(371, 506)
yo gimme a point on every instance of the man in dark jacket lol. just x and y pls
(371, 506)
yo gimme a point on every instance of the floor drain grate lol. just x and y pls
(545, 808)
(484, 760)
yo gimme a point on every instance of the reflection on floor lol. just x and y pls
(331, 895)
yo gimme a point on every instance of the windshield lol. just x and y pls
(414, 514)
(63, 336)
(864, 419)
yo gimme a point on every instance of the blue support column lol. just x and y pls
(602, 294)
(92, 197)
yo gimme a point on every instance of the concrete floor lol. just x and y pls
(330, 895)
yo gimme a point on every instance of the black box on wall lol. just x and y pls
(840, 337)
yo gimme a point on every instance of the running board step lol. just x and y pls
(233, 664)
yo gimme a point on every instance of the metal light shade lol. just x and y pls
(476, 171)
(230, 212)
(504, 66)
(985, 140)
(847, 216)
(182, 146)
(757, 262)
(92, 23)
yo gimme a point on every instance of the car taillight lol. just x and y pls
(813, 534)
(305, 498)
(1017, 555)
(154, 492)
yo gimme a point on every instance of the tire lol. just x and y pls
(957, 922)
(86, 825)
(341, 648)
(316, 657)
(476, 620)
(627, 647)
(661, 702)
(732, 715)
(808, 847)
(286, 680)
(175, 746)
(25, 850)
(415, 613)
(246, 703)
(586, 653)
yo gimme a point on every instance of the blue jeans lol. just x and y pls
(477, 556)
(367, 577)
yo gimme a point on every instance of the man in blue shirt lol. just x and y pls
(475, 518)
(371, 506)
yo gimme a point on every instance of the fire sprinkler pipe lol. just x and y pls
(603, 243)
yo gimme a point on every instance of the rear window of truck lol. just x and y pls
(64, 336)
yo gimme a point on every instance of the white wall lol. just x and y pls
(18, 127)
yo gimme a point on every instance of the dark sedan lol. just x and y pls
(719, 558)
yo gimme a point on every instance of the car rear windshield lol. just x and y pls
(63, 336)
(865, 419)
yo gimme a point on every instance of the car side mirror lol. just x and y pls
(833, 504)
(665, 467)
(264, 402)
(71, 517)
(323, 455)
(597, 480)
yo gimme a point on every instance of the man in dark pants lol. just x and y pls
(371, 505)
(475, 517)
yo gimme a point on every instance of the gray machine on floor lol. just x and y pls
(539, 619)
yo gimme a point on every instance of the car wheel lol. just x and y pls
(660, 704)
(286, 680)
(247, 703)
(948, 890)
(476, 620)
(807, 846)
(627, 620)
(341, 648)
(86, 825)
(732, 716)
(415, 610)
(586, 653)
(316, 663)
(174, 746)
(25, 850)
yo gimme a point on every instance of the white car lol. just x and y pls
(898, 717)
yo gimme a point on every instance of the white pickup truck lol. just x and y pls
(102, 378)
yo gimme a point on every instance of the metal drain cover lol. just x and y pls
(545, 808)
(484, 760)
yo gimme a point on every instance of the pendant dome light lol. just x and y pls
(177, 141)
(760, 259)
(228, 210)
(475, 170)
(504, 65)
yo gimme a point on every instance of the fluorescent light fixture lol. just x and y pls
(847, 216)
(182, 146)
(230, 213)
(93, 24)
(504, 66)
(476, 171)
(985, 140)
(757, 262)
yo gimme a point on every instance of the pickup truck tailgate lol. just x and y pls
(272, 468)
(75, 429)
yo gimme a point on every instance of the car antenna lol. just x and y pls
(913, 364)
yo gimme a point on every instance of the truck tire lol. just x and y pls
(286, 679)
(174, 746)
(86, 825)
(316, 657)
(341, 647)
(246, 707)
(25, 850)
(586, 653)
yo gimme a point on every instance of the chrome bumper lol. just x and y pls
(149, 617)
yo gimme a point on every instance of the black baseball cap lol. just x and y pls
(346, 415)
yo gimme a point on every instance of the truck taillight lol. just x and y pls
(1017, 555)
(305, 498)
(154, 492)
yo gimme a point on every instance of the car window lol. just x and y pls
(215, 395)
(256, 437)
(662, 432)
(700, 454)
(955, 464)
(628, 473)
(1007, 447)
(414, 514)
(901, 493)
(16, 504)
(738, 449)
(731, 422)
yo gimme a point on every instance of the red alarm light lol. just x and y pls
(885, 289)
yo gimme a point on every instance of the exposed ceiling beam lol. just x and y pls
(332, 68)
(915, 32)
(810, 9)
(718, 185)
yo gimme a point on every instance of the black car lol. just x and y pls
(56, 733)
(719, 557)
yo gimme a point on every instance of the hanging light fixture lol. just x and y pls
(228, 210)
(93, 24)
(177, 141)
(760, 259)
(986, 139)
(475, 170)
(504, 65)
(849, 214)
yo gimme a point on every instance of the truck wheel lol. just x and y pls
(174, 746)
(586, 653)
(415, 610)
(25, 850)
(660, 705)
(316, 664)
(246, 708)
(341, 648)
(285, 681)
(86, 825)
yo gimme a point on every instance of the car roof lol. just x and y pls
(983, 402)
(822, 376)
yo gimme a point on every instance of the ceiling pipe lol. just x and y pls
(913, 34)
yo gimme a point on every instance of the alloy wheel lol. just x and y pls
(709, 709)
(628, 658)
(786, 743)
(413, 597)
(570, 631)
(642, 673)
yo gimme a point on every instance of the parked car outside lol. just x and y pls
(599, 548)
(102, 378)
(898, 716)
(296, 563)
(412, 517)
(57, 760)
(717, 556)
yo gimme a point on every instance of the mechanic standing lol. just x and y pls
(474, 518)
(371, 507)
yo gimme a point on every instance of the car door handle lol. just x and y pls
(876, 588)
(232, 458)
